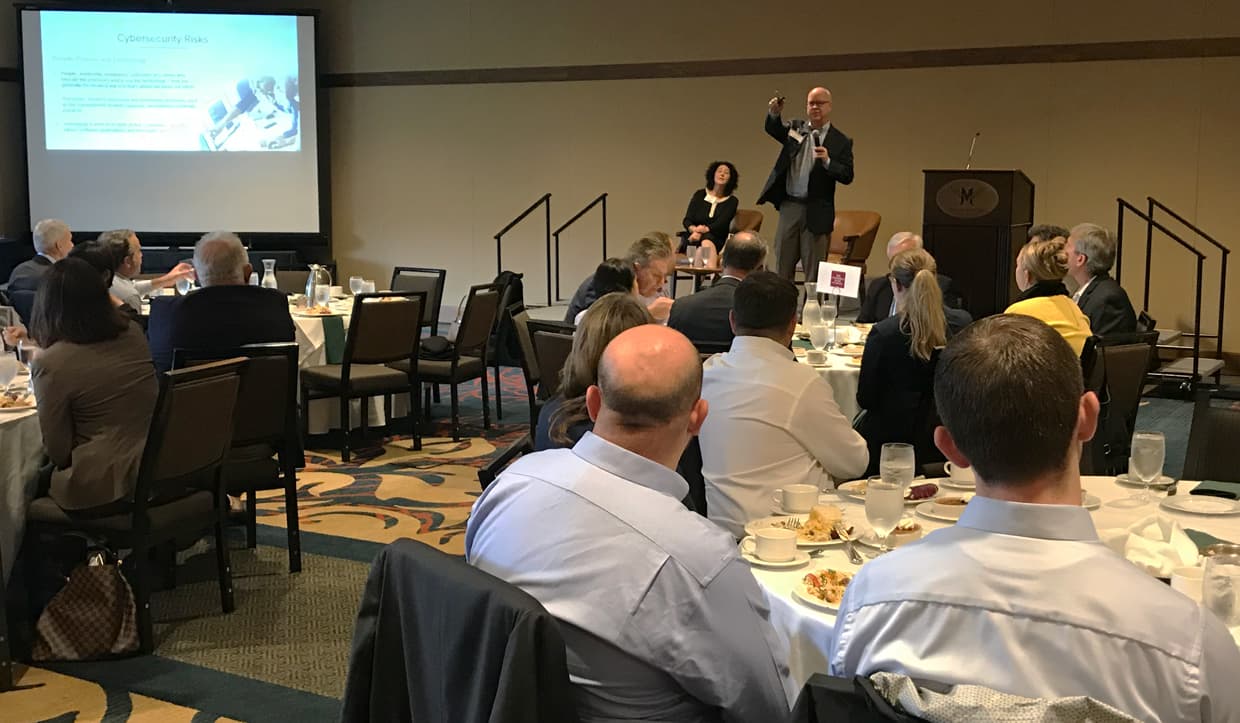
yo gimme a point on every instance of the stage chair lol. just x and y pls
(380, 350)
(747, 219)
(266, 447)
(179, 489)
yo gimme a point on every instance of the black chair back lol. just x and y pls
(1213, 442)
(430, 281)
(552, 351)
(384, 328)
(690, 468)
(191, 430)
(477, 320)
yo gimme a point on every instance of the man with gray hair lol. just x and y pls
(1091, 253)
(703, 317)
(880, 301)
(653, 259)
(52, 242)
(225, 313)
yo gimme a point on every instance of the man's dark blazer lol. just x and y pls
(217, 317)
(703, 317)
(878, 296)
(820, 199)
(1106, 304)
(24, 283)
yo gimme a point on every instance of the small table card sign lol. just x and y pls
(839, 279)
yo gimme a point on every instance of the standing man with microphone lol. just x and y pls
(814, 156)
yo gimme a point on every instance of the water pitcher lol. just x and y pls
(269, 274)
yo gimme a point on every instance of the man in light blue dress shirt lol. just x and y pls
(661, 618)
(1020, 595)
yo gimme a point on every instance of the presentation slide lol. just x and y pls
(172, 122)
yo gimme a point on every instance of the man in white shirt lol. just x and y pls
(125, 286)
(774, 421)
(1020, 595)
(661, 618)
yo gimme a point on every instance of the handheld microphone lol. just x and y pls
(972, 146)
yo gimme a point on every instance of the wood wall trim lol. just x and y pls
(945, 58)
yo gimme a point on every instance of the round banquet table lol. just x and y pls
(839, 373)
(21, 452)
(809, 630)
(312, 350)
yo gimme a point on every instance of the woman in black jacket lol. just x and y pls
(708, 219)
(897, 374)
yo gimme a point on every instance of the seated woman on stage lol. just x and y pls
(564, 420)
(612, 275)
(96, 388)
(1040, 269)
(897, 375)
(709, 216)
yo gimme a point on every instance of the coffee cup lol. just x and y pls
(796, 498)
(959, 474)
(816, 356)
(1188, 580)
(771, 544)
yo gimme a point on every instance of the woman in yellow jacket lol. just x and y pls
(1040, 269)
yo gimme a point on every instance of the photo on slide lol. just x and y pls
(170, 82)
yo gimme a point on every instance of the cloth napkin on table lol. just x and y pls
(1155, 544)
(333, 339)
(1229, 490)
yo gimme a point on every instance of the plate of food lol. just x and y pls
(314, 311)
(822, 589)
(816, 530)
(915, 494)
(849, 350)
(906, 531)
(16, 401)
(853, 361)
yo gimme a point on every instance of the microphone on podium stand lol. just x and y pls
(972, 146)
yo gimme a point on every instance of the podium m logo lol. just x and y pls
(966, 196)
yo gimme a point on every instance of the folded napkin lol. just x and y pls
(1204, 539)
(1230, 490)
(1155, 544)
(333, 339)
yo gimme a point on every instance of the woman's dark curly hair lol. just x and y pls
(733, 180)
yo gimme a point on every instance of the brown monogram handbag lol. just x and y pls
(93, 615)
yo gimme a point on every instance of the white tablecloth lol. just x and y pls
(21, 451)
(842, 377)
(809, 631)
(324, 414)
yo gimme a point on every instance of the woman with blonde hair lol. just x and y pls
(563, 420)
(1040, 269)
(897, 374)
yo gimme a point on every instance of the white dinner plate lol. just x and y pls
(797, 560)
(927, 510)
(805, 598)
(307, 315)
(777, 520)
(25, 408)
(849, 491)
(842, 352)
(957, 484)
(1161, 483)
(870, 540)
(1201, 505)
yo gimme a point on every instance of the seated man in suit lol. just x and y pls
(1091, 253)
(1020, 595)
(52, 242)
(703, 317)
(880, 300)
(652, 259)
(225, 313)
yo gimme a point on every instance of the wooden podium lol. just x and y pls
(974, 223)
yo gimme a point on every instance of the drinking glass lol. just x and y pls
(818, 336)
(184, 284)
(1145, 461)
(355, 284)
(897, 464)
(1220, 587)
(322, 296)
(810, 313)
(8, 370)
(884, 505)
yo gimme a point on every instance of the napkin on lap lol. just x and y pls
(1155, 544)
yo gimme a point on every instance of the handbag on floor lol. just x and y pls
(93, 616)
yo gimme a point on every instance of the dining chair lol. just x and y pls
(179, 489)
(468, 354)
(529, 361)
(501, 333)
(1213, 452)
(552, 349)
(488, 472)
(427, 280)
(383, 331)
(266, 445)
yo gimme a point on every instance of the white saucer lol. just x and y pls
(799, 559)
(1201, 505)
(1163, 481)
(956, 484)
(1091, 502)
(926, 509)
(762, 522)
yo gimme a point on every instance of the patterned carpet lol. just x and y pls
(283, 654)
